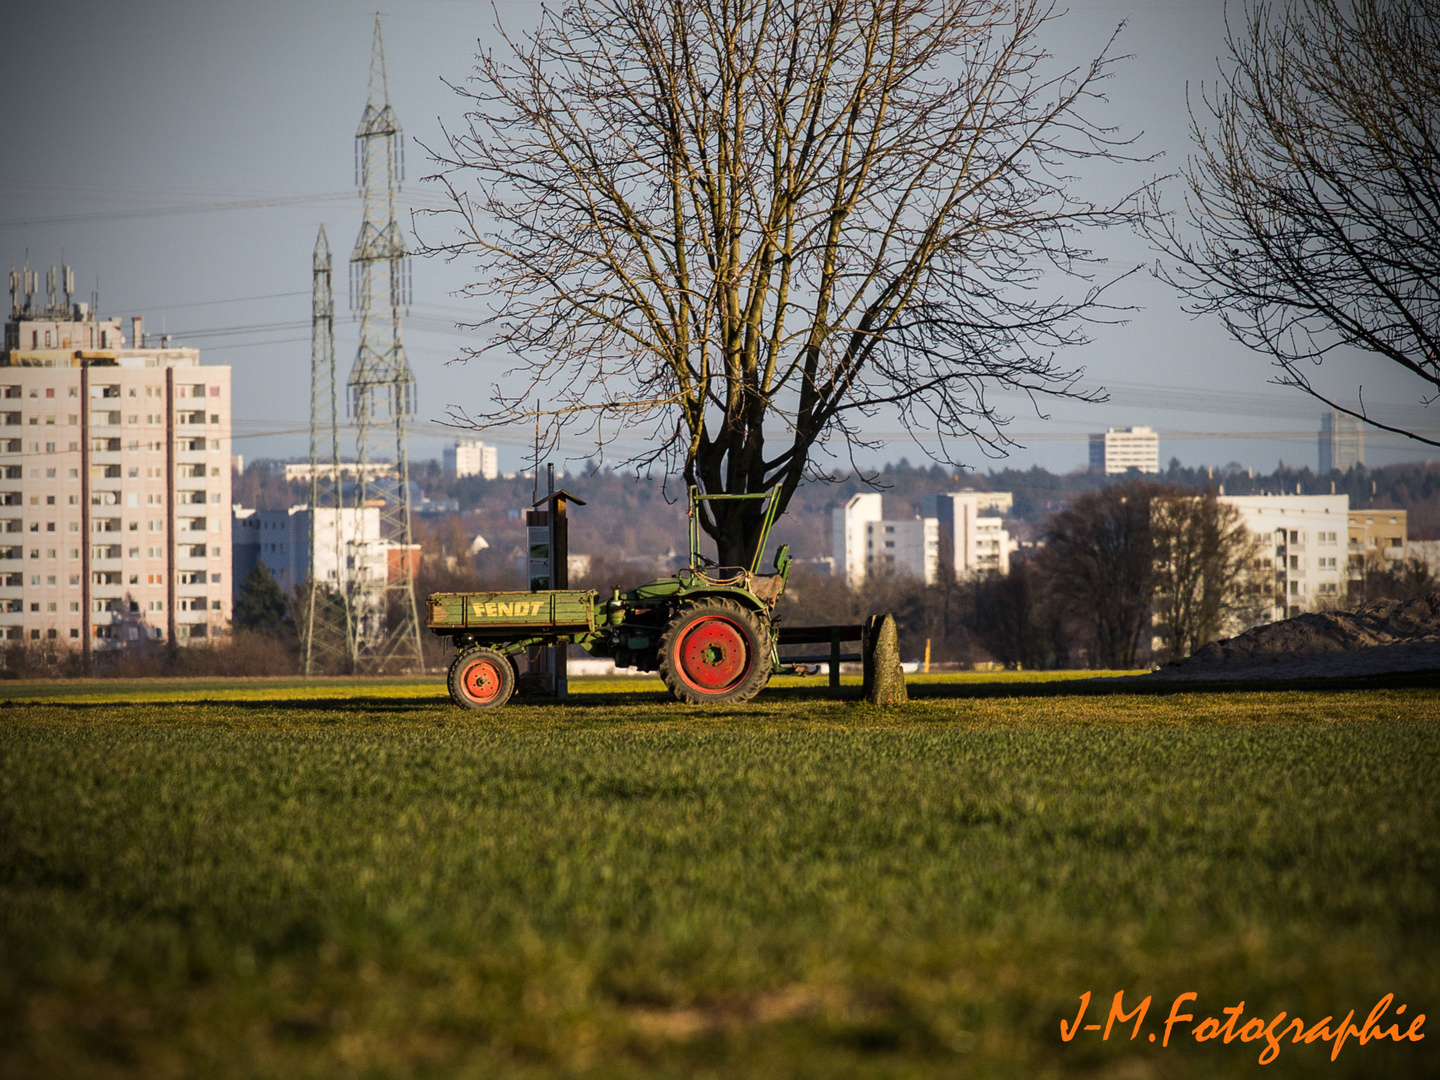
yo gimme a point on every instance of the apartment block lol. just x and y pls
(849, 533)
(1304, 543)
(972, 534)
(961, 531)
(1119, 450)
(470, 457)
(348, 544)
(349, 548)
(905, 546)
(1377, 537)
(115, 458)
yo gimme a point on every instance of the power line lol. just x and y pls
(314, 201)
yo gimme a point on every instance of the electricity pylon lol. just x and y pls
(326, 631)
(385, 624)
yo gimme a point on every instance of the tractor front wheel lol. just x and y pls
(714, 651)
(481, 679)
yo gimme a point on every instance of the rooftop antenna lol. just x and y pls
(385, 623)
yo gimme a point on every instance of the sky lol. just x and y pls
(180, 155)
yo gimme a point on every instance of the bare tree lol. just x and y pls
(743, 226)
(1206, 570)
(1313, 204)
(1100, 561)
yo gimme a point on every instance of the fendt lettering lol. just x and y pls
(498, 610)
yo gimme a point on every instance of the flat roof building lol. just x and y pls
(951, 531)
(471, 457)
(1119, 450)
(970, 540)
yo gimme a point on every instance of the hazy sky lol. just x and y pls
(184, 152)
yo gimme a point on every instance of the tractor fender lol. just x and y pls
(741, 596)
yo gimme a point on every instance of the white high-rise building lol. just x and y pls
(472, 458)
(114, 503)
(950, 531)
(1304, 540)
(849, 535)
(970, 540)
(1119, 450)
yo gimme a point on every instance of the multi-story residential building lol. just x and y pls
(470, 457)
(116, 482)
(1303, 539)
(971, 541)
(906, 546)
(349, 547)
(949, 532)
(281, 540)
(1376, 537)
(1119, 450)
(1341, 443)
(849, 525)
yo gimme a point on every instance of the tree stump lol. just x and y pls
(884, 682)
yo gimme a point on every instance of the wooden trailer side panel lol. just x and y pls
(565, 609)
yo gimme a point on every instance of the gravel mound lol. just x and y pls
(1378, 637)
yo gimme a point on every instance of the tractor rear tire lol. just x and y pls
(714, 652)
(481, 679)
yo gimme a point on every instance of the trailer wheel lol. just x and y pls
(714, 651)
(481, 679)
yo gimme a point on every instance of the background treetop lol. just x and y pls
(745, 226)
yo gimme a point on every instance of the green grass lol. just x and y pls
(624, 887)
(218, 690)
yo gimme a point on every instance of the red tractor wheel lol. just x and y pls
(481, 679)
(714, 651)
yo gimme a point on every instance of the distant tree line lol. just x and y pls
(1412, 486)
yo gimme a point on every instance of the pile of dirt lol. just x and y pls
(1381, 636)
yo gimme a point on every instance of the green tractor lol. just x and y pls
(710, 631)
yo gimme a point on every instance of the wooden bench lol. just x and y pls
(824, 635)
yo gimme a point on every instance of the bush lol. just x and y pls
(240, 655)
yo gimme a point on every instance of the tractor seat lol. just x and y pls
(767, 587)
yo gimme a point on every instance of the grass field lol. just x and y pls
(360, 881)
